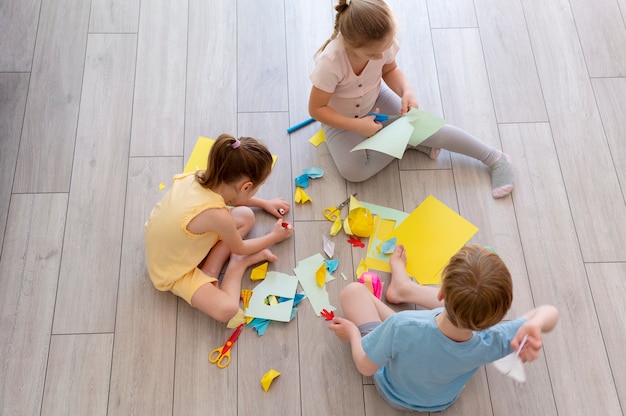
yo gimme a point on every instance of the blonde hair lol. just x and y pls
(477, 288)
(232, 159)
(362, 22)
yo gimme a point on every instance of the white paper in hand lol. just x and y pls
(512, 365)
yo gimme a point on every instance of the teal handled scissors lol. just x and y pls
(221, 356)
(332, 213)
(383, 117)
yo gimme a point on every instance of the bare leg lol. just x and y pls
(403, 289)
(360, 306)
(222, 303)
(215, 260)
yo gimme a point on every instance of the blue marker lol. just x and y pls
(300, 125)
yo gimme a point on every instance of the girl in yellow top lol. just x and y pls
(191, 232)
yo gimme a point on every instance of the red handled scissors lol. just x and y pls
(221, 356)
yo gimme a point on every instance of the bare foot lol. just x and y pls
(396, 291)
(250, 259)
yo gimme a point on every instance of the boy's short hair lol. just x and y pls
(477, 288)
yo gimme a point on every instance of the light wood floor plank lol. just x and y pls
(509, 58)
(18, 21)
(14, 88)
(548, 233)
(262, 68)
(451, 13)
(602, 34)
(211, 103)
(88, 284)
(610, 93)
(142, 374)
(29, 271)
(607, 285)
(577, 131)
(114, 16)
(159, 100)
(49, 132)
(77, 380)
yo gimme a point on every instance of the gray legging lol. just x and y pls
(361, 165)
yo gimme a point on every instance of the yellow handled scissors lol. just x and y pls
(221, 356)
(332, 213)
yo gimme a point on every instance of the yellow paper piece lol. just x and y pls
(320, 275)
(246, 294)
(359, 221)
(259, 272)
(271, 300)
(236, 320)
(301, 196)
(335, 227)
(361, 268)
(267, 379)
(318, 138)
(161, 186)
(200, 155)
(432, 234)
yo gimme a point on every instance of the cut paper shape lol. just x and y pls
(259, 325)
(259, 272)
(318, 138)
(512, 365)
(313, 172)
(389, 246)
(302, 181)
(277, 284)
(236, 320)
(331, 265)
(328, 315)
(356, 242)
(246, 294)
(411, 129)
(361, 268)
(329, 247)
(267, 379)
(431, 235)
(161, 186)
(385, 220)
(343, 276)
(305, 272)
(372, 283)
(334, 229)
(359, 221)
(200, 155)
(320, 275)
(301, 197)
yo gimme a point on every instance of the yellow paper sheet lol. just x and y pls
(200, 155)
(412, 128)
(317, 138)
(432, 234)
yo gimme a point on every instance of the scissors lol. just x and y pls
(383, 117)
(332, 213)
(221, 357)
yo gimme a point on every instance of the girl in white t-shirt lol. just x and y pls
(347, 87)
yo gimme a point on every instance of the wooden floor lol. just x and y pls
(102, 101)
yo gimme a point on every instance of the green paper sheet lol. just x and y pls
(411, 129)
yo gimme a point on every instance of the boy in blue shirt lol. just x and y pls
(422, 359)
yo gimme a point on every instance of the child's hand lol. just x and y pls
(278, 207)
(408, 102)
(367, 127)
(344, 329)
(532, 347)
(282, 232)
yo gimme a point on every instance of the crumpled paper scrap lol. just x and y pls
(301, 197)
(360, 221)
(267, 379)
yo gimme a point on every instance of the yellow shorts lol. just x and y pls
(186, 286)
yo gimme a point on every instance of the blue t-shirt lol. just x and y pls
(421, 368)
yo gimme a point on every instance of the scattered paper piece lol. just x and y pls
(302, 181)
(274, 284)
(317, 138)
(320, 275)
(385, 220)
(267, 379)
(236, 320)
(334, 229)
(361, 268)
(328, 315)
(313, 172)
(318, 296)
(246, 294)
(356, 242)
(512, 365)
(372, 283)
(331, 265)
(359, 221)
(389, 246)
(161, 186)
(329, 247)
(301, 197)
(343, 276)
(259, 272)
(259, 325)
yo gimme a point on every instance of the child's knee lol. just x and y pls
(244, 216)
(352, 290)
